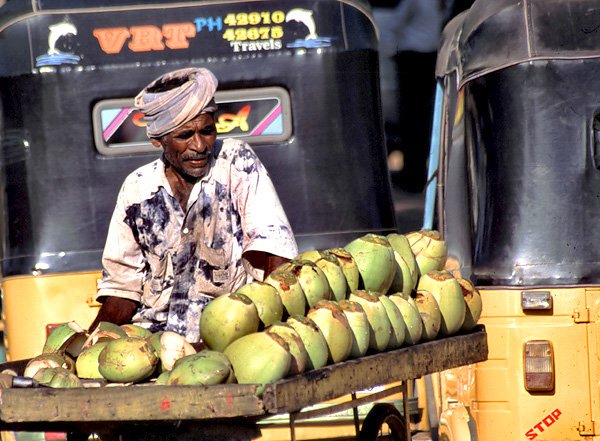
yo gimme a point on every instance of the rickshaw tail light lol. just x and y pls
(536, 300)
(538, 364)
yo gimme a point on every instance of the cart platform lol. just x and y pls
(119, 408)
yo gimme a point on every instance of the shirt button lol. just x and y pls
(186, 230)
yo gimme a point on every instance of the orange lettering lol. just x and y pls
(228, 121)
(177, 34)
(136, 119)
(112, 39)
(145, 38)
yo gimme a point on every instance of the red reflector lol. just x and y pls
(55, 436)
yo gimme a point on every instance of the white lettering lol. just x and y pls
(254, 46)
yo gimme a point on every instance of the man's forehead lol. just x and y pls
(200, 121)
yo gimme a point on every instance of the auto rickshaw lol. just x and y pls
(515, 170)
(298, 80)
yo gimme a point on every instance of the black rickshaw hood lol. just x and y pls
(495, 34)
(522, 169)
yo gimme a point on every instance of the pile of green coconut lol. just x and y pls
(378, 293)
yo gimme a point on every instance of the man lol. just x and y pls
(199, 222)
(410, 35)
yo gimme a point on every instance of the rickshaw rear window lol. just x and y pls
(259, 116)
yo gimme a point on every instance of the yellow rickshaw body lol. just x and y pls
(33, 304)
(517, 143)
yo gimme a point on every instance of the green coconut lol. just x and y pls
(48, 360)
(332, 322)
(219, 356)
(376, 263)
(407, 270)
(473, 304)
(67, 337)
(226, 318)
(429, 250)
(412, 318)
(349, 268)
(328, 263)
(290, 291)
(379, 323)
(199, 369)
(163, 378)
(133, 330)
(297, 349)
(105, 331)
(397, 322)
(57, 377)
(449, 295)
(430, 314)
(127, 359)
(86, 365)
(206, 354)
(259, 358)
(267, 300)
(154, 341)
(312, 255)
(313, 339)
(169, 347)
(335, 275)
(359, 324)
(312, 280)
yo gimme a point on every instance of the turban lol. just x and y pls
(175, 98)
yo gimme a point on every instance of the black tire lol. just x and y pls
(383, 413)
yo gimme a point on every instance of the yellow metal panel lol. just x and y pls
(306, 432)
(458, 385)
(503, 408)
(593, 302)
(32, 302)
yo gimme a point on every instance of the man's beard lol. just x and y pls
(180, 171)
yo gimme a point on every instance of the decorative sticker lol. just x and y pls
(257, 115)
(183, 33)
(312, 40)
(234, 119)
(61, 45)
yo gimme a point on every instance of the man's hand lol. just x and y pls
(115, 310)
(273, 262)
(265, 261)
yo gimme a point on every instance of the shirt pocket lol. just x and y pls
(217, 277)
(157, 289)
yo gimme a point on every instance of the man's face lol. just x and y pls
(187, 148)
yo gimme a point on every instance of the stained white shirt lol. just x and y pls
(174, 262)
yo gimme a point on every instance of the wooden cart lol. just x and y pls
(231, 411)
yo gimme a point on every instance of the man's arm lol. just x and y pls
(268, 237)
(115, 310)
(265, 261)
(120, 288)
(273, 262)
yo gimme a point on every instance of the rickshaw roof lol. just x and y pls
(495, 34)
(17, 10)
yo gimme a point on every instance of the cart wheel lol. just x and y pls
(380, 414)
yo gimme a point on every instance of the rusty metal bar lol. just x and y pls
(404, 386)
(334, 408)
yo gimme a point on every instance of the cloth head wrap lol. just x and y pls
(175, 98)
